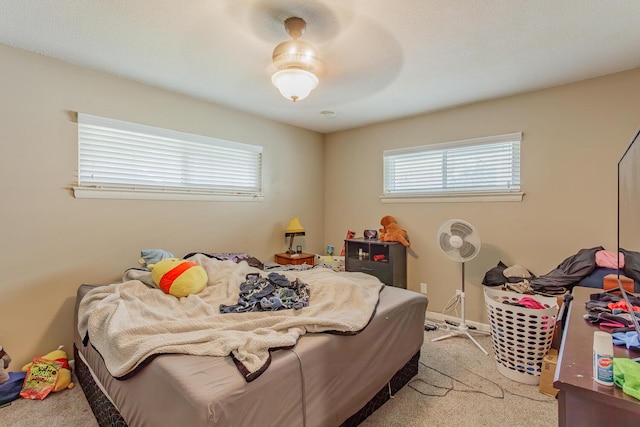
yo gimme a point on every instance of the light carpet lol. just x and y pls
(457, 385)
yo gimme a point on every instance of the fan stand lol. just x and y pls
(462, 328)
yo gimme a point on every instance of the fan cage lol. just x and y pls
(521, 337)
(471, 237)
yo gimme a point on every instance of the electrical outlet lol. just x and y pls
(423, 288)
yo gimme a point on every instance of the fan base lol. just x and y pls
(462, 330)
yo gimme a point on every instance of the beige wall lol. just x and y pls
(51, 242)
(573, 136)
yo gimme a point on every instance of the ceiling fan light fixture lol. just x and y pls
(294, 53)
(295, 61)
(294, 83)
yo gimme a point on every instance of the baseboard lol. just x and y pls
(439, 317)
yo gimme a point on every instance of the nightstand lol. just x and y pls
(295, 259)
(385, 260)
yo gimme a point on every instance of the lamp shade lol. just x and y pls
(294, 227)
(294, 83)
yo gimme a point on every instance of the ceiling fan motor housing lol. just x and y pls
(295, 53)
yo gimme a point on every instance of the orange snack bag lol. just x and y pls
(41, 379)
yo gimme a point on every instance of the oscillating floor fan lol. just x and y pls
(460, 241)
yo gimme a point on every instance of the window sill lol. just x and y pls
(102, 193)
(455, 198)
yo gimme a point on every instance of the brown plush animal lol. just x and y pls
(392, 231)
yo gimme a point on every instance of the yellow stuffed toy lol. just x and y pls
(178, 277)
(64, 373)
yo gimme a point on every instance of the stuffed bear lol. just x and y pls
(392, 231)
(64, 373)
(178, 277)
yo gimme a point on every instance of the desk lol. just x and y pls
(581, 401)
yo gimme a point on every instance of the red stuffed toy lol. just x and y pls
(392, 231)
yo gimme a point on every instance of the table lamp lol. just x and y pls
(293, 229)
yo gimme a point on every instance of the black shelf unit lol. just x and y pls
(392, 270)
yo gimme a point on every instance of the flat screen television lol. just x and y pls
(629, 211)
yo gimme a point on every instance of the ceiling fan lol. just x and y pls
(297, 63)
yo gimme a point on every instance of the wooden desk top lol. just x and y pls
(574, 370)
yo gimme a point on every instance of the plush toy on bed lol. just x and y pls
(392, 231)
(152, 256)
(63, 381)
(178, 277)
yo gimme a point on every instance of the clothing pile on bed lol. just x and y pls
(275, 292)
(587, 267)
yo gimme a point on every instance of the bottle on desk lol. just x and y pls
(603, 358)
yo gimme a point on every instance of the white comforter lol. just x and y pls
(129, 322)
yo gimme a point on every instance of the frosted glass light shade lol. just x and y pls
(294, 83)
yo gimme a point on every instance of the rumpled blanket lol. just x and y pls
(130, 322)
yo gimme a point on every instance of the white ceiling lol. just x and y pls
(384, 59)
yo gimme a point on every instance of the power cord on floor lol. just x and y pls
(501, 396)
(452, 305)
(449, 322)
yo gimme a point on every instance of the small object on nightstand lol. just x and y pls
(350, 235)
(370, 234)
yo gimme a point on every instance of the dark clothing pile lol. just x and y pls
(610, 312)
(571, 272)
(275, 292)
(568, 273)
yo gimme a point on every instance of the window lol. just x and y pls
(118, 159)
(483, 169)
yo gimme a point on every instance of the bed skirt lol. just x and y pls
(399, 380)
(108, 416)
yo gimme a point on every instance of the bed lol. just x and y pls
(330, 378)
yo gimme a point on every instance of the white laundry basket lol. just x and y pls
(521, 336)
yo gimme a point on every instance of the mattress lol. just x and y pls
(322, 381)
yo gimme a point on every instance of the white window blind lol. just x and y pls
(488, 165)
(129, 160)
